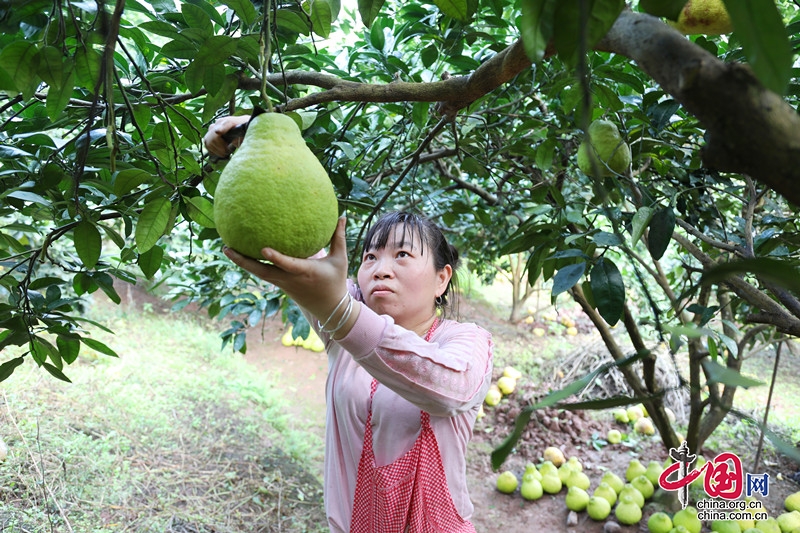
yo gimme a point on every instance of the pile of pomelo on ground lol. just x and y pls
(623, 496)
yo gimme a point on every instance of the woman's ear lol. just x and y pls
(443, 277)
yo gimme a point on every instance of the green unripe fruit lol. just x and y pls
(643, 485)
(659, 522)
(627, 512)
(576, 499)
(548, 467)
(725, 526)
(614, 480)
(792, 502)
(770, 525)
(551, 483)
(604, 490)
(653, 472)
(275, 193)
(531, 488)
(598, 508)
(634, 470)
(578, 479)
(507, 482)
(604, 147)
(632, 492)
(789, 521)
(564, 471)
(687, 518)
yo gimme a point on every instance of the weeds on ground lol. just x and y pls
(172, 436)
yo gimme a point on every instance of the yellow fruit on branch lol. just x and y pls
(707, 17)
(275, 193)
(604, 149)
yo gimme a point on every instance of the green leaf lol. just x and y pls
(180, 48)
(215, 50)
(106, 284)
(608, 290)
(291, 21)
(536, 26)
(201, 210)
(129, 179)
(567, 30)
(58, 96)
(150, 261)
(420, 112)
(545, 153)
(640, 222)
(244, 9)
(18, 59)
(56, 372)
(759, 27)
(727, 376)
(152, 223)
(69, 347)
(194, 76)
(7, 368)
(662, 8)
(661, 227)
(369, 9)
(50, 66)
(87, 67)
(567, 277)
(377, 37)
(429, 55)
(197, 19)
(88, 243)
(458, 9)
(321, 17)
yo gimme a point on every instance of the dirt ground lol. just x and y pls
(304, 373)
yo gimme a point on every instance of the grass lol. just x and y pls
(172, 436)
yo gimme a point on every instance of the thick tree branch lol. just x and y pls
(750, 130)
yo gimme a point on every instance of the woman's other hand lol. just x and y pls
(213, 138)
(317, 284)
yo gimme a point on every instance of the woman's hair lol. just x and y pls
(431, 238)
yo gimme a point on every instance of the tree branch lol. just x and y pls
(750, 130)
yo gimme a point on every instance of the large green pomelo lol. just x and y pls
(606, 147)
(275, 193)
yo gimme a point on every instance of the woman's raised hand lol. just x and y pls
(316, 284)
(213, 138)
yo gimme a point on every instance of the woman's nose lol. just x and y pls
(382, 270)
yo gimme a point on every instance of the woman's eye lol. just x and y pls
(402, 253)
(369, 257)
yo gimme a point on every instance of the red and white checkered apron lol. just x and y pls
(409, 495)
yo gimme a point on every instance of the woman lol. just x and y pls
(404, 386)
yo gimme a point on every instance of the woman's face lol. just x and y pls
(401, 280)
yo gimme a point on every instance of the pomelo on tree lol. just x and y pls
(707, 17)
(275, 193)
(605, 147)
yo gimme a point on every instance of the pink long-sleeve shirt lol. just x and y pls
(448, 377)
